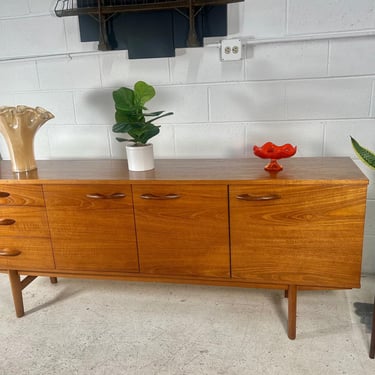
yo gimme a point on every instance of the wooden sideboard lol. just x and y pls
(216, 222)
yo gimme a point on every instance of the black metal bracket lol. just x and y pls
(102, 10)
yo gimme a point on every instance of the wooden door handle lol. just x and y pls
(4, 194)
(250, 197)
(106, 196)
(6, 252)
(160, 197)
(7, 221)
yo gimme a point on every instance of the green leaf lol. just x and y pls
(130, 117)
(125, 116)
(120, 127)
(143, 133)
(164, 115)
(124, 127)
(148, 133)
(143, 93)
(124, 140)
(124, 99)
(365, 155)
(153, 113)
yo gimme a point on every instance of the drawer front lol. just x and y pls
(23, 222)
(92, 227)
(182, 229)
(21, 195)
(305, 235)
(26, 253)
(88, 196)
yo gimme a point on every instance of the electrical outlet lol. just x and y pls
(231, 50)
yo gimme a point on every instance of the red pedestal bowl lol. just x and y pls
(274, 152)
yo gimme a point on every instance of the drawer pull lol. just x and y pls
(4, 194)
(7, 221)
(160, 197)
(6, 252)
(249, 197)
(106, 196)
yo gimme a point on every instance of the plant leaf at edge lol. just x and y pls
(365, 155)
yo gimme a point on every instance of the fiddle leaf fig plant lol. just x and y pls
(368, 157)
(130, 114)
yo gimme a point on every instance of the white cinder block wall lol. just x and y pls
(311, 93)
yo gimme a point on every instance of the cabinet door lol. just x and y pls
(182, 229)
(24, 233)
(305, 235)
(92, 227)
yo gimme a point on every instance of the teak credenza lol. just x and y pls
(216, 222)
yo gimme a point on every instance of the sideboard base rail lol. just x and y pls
(290, 292)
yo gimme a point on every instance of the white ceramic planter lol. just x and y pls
(140, 158)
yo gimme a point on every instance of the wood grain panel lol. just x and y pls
(312, 235)
(80, 196)
(21, 195)
(28, 222)
(184, 236)
(92, 234)
(35, 253)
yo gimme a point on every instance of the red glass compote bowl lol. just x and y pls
(274, 152)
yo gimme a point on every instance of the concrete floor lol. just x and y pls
(123, 328)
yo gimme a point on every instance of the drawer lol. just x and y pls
(22, 254)
(21, 195)
(88, 196)
(23, 222)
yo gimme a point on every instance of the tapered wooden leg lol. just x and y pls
(372, 344)
(286, 293)
(53, 280)
(16, 285)
(292, 311)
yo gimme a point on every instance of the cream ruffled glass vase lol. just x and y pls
(19, 125)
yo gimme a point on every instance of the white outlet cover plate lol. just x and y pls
(231, 50)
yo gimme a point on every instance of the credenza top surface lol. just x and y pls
(235, 171)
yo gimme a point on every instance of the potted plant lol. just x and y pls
(132, 119)
(365, 155)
